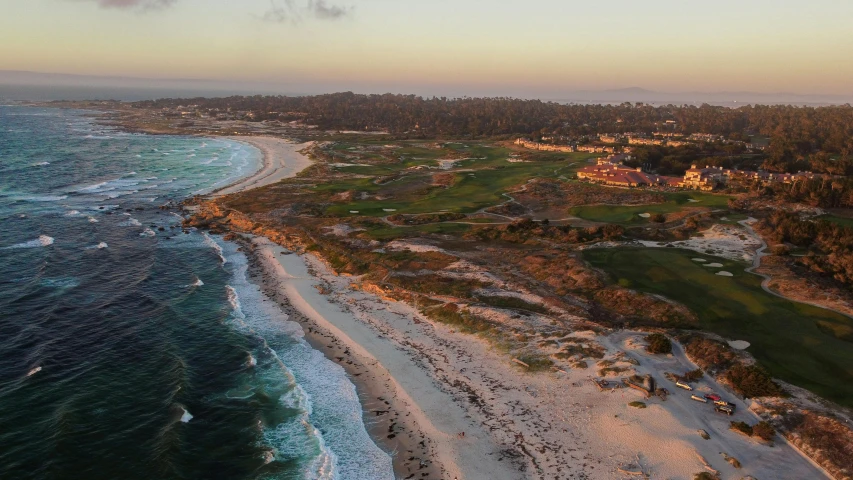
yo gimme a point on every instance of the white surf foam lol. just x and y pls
(148, 233)
(209, 241)
(42, 198)
(131, 222)
(330, 428)
(186, 417)
(33, 371)
(42, 241)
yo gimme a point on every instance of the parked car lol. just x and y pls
(698, 398)
(684, 386)
(727, 409)
(713, 397)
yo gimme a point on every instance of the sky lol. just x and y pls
(485, 47)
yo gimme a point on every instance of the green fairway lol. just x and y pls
(473, 190)
(631, 213)
(804, 345)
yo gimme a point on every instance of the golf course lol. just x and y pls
(807, 346)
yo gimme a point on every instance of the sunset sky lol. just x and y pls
(489, 46)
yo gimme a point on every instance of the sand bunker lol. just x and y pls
(725, 274)
(699, 260)
(713, 265)
(739, 344)
(645, 215)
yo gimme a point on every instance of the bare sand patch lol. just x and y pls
(739, 344)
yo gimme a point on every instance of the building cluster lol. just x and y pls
(612, 171)
(548, 147)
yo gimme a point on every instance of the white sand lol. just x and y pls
(699, 260)
(281, 159)
(713, 265)
(645, 215)
(739, 344)
(724, 273)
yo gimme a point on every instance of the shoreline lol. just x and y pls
(421, 384)
(280, 159)
(386, 422)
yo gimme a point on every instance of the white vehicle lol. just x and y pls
(684, 386)
(698, 398)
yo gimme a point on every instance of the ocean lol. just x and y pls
(132, 348)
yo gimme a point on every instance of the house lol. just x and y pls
(705, 178)
(621, 176)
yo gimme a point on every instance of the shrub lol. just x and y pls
(637, 404)
(753, 381)
(741, 427)
(536, 363)
(705, 476)
(658, 343)
(693, 375)
(764, 431)
(659, 218)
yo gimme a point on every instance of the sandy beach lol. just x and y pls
(280, 159)
(449, 405)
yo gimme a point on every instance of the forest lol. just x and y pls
(793, 130)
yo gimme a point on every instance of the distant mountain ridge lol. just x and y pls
(206, 87)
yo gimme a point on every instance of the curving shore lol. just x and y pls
(280, 159)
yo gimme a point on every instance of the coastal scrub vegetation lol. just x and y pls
(658, 343)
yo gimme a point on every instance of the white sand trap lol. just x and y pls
(713, 265)
(725, 274)
(353, 211)
(692, 200)
(389, 209)
(699, 260)
(739, 344)
(645, 215)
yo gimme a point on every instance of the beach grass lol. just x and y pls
(798, 343)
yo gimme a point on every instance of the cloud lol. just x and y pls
(288, 11)
(135, 4)
(324, 11)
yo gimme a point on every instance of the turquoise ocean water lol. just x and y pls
(132, 349)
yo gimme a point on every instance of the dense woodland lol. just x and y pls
(794, 131)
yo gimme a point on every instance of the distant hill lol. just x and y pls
(22, 85)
